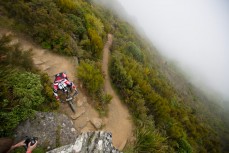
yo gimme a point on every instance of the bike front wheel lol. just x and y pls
(73, 108)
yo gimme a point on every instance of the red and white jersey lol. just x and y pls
(61, 77)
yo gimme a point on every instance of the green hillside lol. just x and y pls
(167, 118)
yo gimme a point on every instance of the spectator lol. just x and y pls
(30, 147)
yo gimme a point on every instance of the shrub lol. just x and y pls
(184, 146)
(91, 76)
(132, 49)
(149, 141)
(21, 93)
(50, 102)
(12, 55)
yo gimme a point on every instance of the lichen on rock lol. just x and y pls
(89, 142)
(52, 129)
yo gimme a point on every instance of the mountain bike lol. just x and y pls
(68, 95)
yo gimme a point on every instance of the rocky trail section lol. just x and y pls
(86, 118)
(52, 64)
(119, 119)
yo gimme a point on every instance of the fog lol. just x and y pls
(193, 33)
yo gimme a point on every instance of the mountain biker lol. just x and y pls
(62, 78)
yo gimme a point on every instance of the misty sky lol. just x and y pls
(195, 33)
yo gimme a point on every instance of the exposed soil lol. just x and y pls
(52, 64)
(118, 121)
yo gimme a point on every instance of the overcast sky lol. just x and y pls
(195, 33)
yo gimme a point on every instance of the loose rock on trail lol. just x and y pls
(118, 121)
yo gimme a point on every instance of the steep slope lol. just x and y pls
(52, 64)
(118, 120)
(163, 120)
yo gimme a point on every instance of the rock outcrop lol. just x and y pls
(89, 142)
(52, 129)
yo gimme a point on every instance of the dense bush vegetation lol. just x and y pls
(90, 74)
(21, 93)
(155, 97)
(164, 121)
(63, 26)
(23, 88)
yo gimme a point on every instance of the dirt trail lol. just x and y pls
(52, 64)
(118, 121)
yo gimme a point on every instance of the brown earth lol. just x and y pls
(118, 121)
(52, 64)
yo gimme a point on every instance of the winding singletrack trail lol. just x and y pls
(119, 120)
(52, 64)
